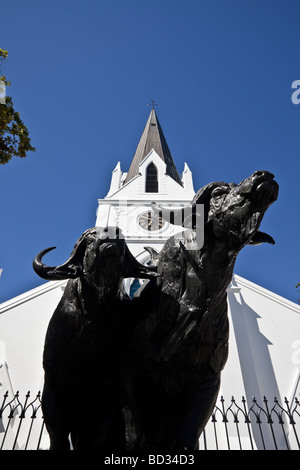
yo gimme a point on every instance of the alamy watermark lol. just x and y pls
(188, 219)
(2, 92)
(296, 94)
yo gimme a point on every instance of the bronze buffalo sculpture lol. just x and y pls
(178, 350)
(85, 341)
(149, 367)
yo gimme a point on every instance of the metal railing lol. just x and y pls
(253, 425)
(21, 422)
(248, 425)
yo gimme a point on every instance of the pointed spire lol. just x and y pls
(153, 138)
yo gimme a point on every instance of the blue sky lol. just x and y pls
(82, 73)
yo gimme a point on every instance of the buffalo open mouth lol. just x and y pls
(254, 194)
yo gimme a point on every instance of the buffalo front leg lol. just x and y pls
(200, 407)
(134, 435)
(55, 421)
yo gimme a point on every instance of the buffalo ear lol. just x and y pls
(261, 237)
(153, 255)
(135, 269)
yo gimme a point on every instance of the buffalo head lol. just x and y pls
(232, 213)
(98, 256)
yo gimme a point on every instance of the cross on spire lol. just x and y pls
(153, 104)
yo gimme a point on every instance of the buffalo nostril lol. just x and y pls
(266, 174)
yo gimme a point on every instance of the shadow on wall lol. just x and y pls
(258, 374)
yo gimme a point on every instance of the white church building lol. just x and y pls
(264, 350)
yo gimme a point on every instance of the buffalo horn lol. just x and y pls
(69, 270)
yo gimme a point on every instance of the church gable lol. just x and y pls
(154, 180)
(151, 182)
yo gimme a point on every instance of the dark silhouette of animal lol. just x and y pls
(172, 372)
(85, 342)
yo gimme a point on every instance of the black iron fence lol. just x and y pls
(21, 423)
(253, 425)
(247, 425)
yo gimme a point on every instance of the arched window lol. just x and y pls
(151, 179)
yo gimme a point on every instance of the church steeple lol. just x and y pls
(153, 138)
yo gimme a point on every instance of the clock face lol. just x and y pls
(151, 221)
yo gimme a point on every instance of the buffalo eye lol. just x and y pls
(220, 191)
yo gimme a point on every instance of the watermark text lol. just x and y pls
(296, 94)
(154, 222)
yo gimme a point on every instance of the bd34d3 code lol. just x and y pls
(170, 459)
